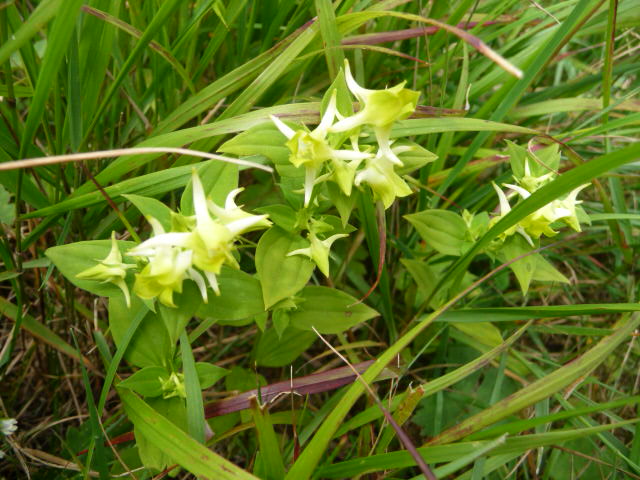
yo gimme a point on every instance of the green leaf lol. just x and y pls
(208, 374)
(545, 272)
(281, 215)
(263, 139)
(151, 345)
(151, 184)
(33, 25)
(177, 445)
(329, 310)
(176, 319)
(57, 43)
(414, 158)
(425, 279)
(240, 298)
(74, 258)
(280, 319)
(150, 207)
(517, 157)
(443, 230)
(7, 209)
(524, 268)
(277, 351)
(281, 276)
(147, 381)
(150, 455)
(218, 179)
(330, 36)
(195, 407)
(343, 204)
(424, 126)
(270, 453)
(484, 333)
(510, 314)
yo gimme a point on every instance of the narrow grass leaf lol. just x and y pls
(154, 26)
(270, 454)
(184, 450)
(450, 453)
(330, 36)
(195, 407)
(34, 24)
(508, 314)
(57, 43)
(542, 388)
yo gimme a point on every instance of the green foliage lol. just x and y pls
(328, 310)
(443, 230)
(281, 276)
(337, 220)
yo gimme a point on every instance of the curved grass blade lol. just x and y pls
(154, 26)
(57, 43)
(543, 387)
(34, 24)
(435, 385)
(450, 453)
(134, 32)
(509, 314)
(184, 450)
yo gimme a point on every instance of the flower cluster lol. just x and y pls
(539, 222)
(196, 248)
(200, 246)
(323, 159)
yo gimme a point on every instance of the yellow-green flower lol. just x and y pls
(531, 183)
(318, 251)
(379, 108)
(167, 269)
(312, 150)
(385, 183)
(504, 209)
(110, 270)
(207, 244)
(539, 222)
(173, 386)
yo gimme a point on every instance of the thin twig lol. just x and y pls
(119, 152)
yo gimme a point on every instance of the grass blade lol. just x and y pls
(183, 449)
(195, 407)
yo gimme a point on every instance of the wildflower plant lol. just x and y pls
(214, 261)
(453, 234)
